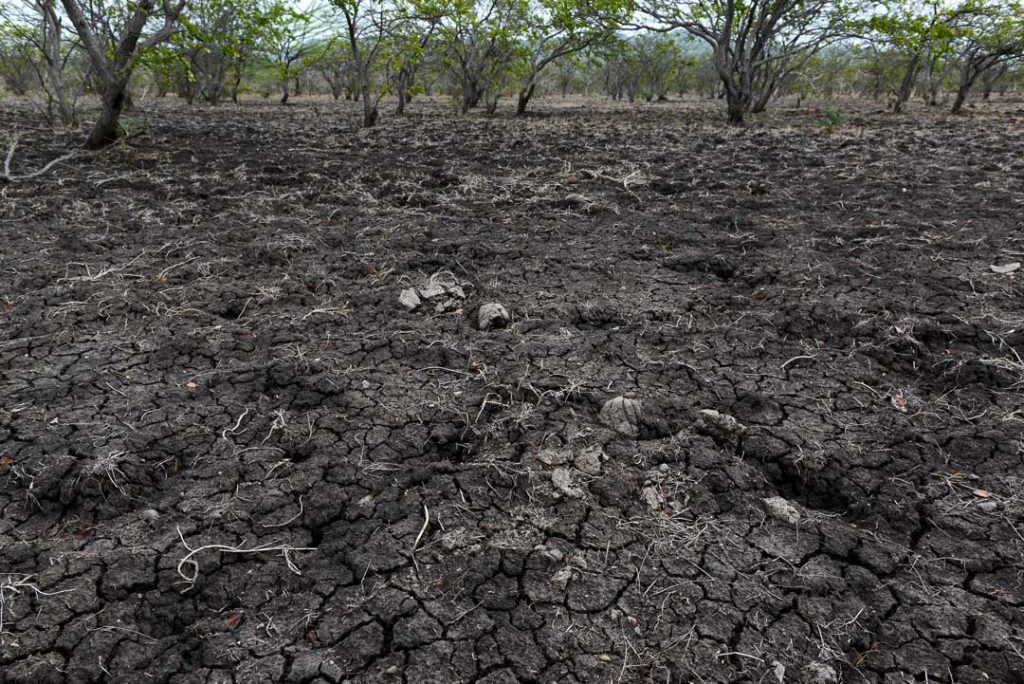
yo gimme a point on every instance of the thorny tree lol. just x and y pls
(922, 33)
(45, 50)
(480, 43)
(289, 41)
(561, 28)
(410, 35)
(209, 56)
(113, 37)
(754, 43)
(990, 35)
(365, 26)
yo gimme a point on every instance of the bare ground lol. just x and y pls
(229, 454)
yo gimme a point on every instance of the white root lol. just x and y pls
(188, 568)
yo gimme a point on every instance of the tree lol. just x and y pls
(481, 44)
(657, 60)
(560, 28)
(17, 56)
(114, 52)
(37, 52)
(365, 29)
(989, 35)
(410, 34)
(330, 58)
(287, 43)
(619, 73)
(208, 58)
(920, 31)
(754, 43)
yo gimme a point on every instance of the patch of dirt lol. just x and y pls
(229, 453)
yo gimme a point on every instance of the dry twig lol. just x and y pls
(8, 177)
(188, 569)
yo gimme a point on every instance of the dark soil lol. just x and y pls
(229, 454)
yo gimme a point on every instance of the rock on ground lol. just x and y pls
(493, 315)
(622, 415)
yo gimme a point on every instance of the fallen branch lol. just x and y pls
(7, 177)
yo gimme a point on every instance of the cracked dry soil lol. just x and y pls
(229, 454)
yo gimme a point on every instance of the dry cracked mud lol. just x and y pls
(228, 453)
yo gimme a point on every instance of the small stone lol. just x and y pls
(820, 673)
(549, 552)
(493, 315)
(781, 509)
(622, 415)
(150, 515)
(445, 305)
(561, 478)
(432, 290)
(454, 540)
(720, 427)
(578, 560)
(1005, 268)
(988, 506)
(409, 299)
(589, 461)
(652, 498)
(553, 457)
(562, 577)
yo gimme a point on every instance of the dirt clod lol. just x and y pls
(721, 427)
(820, 673)
(781, 509)
(622, 415)
(588, 461)
(493, 315)
(562, 479)
(409, 299)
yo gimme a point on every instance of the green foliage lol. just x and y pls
(19, 53)
(215, 45)
(131, 126)
(832, 120)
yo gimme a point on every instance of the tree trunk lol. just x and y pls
(469, 97)
(524, 98)
(967, 78)
(735, 114)
(400, 89)
(762, 102)
(907, 85)
(961, 97)
(104, 132)
(369, 110)
(284, 93)
(736, 104)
